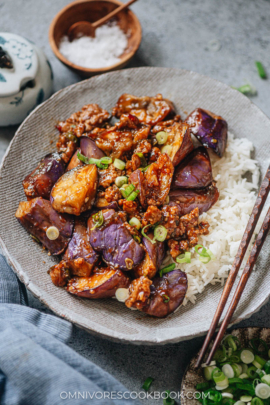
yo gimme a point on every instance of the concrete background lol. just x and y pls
(175, 34)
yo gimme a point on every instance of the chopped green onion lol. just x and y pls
(245, 398)
(167, 149)
(213, 396)
(228, 371)
(143, 169)
(119, 164)
(133, 195)
(220, 378)
(126, 190)
(165, 298)
(239, 403)
(136, 238)
(243, 376)
(71, 137)
(244, 367)
(260, 373)
(135, 222)
(230, 340)
(261, 70)
(247, 356)
(220, 356)
(203, 252)
(246, 89)
(167, 269)
(229, 401)
(91, 161)
(160, 233)
(121, 180)
(147, 237)
(205, 260)
(106, 160)
(266, 379)
(202, 386)
(267, 367)
(227, 395)
(257, 401)
(184, 258)
(142, 159)
(162, 137)
(237, 369)
(251, 372)
(258, 362)
(208, 371)
(35, 238)
(98, 219)
(168, 400)
(146, 385)
(262, 391)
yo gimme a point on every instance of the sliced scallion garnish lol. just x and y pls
(92, 161)
(135, 222)
(167, 269)
(121, 180)
(160, 233)
(132, 196)
(126, 190)
(261, 70)
(246, 89)
(161, 137)
(184, 258)
(143, 169)
(146, 385)
(98, 219)
(168, 400)
(106, 160)
(119, 164)
(165, 298)
(142, 159)
(167, 149)
(146, 236)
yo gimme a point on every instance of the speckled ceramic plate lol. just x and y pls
(37, 136)
(194, 376)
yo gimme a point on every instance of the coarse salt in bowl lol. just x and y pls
(125, 33)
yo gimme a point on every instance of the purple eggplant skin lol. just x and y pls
(154, 255)
(90, 149)
(187, 200)
(167, 294)
(210, 129)
(113, 240)
(41, 180)
(156, 251)
(79, 246)
(37, 215)
(194, 171)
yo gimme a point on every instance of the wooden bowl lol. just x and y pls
(93, 10)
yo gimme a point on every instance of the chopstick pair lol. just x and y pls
(259, 204)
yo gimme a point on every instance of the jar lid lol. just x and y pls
(22, 63)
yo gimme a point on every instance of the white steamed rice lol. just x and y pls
(227, 218)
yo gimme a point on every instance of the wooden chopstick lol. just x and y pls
(257, 209)
(242, 283)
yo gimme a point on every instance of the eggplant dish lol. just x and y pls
(122, 191)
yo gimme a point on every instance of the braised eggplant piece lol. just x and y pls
(114, 241)
(188, 200)
(80, 248)
(154, 255)
(154, 185)
(37, 215)
(209, 129)
(60, 274)
(194, 171)
(103, 204)
(75, 161)
(102, 284)
(149, 110)
(90, 149)
(179, 143)
(41, 180)
(167, 294)
(75, 191)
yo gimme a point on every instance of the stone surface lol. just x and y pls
(175, 34)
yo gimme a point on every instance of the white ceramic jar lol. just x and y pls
(27, 83)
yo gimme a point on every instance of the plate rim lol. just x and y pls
(42, 295)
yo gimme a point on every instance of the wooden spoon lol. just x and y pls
(85, 28)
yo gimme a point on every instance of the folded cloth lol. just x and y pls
(36, 366)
